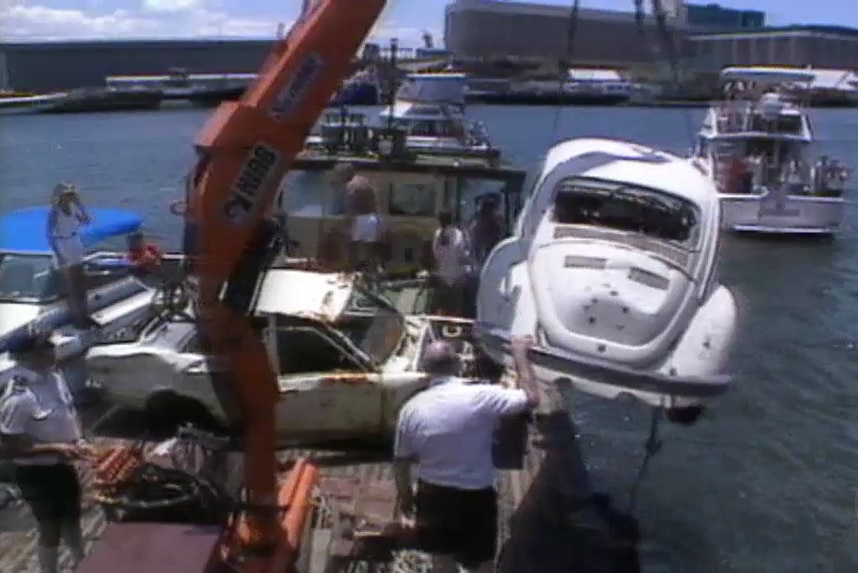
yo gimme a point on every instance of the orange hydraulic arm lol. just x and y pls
(244, 152)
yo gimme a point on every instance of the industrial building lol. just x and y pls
(798, 46)
(58, 66)
(715, 18)
(476, 29)
(708, 37)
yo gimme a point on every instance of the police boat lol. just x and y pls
(613, 270)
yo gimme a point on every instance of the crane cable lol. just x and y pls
(665, 38)
(563, 64)
(654, 443)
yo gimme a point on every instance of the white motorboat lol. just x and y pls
(430, 109)
(613, 270)
(33, 292)
(758, 148)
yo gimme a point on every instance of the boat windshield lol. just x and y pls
(627, 208)
(372, 324)
(29, 278)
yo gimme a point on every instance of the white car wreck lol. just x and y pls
(613, 269)
(347, 361)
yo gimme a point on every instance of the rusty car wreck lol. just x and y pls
(347, 359)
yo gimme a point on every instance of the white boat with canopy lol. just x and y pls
(428, 108)
(758, 147)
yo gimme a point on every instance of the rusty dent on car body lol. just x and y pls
(347, 378)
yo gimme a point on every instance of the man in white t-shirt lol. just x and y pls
(451, 257)
(41, 433)
(448, 430)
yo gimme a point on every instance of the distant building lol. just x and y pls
(798, 46)
(716, 18)
(53, 66)
(492, 29)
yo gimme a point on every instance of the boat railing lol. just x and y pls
(754, 116)
(821, 179)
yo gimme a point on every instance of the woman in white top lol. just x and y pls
(40, 431)
(65, 219)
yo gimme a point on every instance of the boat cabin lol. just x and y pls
(413, 189)
(761, 136)
(429, 109)
(433, 105)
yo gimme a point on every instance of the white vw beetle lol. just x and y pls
(613, 269)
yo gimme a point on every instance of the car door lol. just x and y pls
(325, 392)
(194, 371)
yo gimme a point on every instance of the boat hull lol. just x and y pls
(796, 215)
(106, 101)
(357, 93)
(594, 100)
(431, 146)
(28, 104)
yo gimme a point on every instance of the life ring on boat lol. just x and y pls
(178, 208)
(407, 249)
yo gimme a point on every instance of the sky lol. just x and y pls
(34, 20)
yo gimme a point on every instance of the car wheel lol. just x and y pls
(166, 411)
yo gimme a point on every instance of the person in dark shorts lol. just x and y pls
(448, 431)
(41, 433)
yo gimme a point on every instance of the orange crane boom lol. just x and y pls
(244, 152)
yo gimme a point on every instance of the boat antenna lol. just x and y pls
(563, 65)
(391, 82)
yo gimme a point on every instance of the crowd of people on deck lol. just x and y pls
(457, 252)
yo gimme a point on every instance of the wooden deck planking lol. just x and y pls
(542, 506)
(17, 529)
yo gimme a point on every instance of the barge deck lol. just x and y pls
(548, 520)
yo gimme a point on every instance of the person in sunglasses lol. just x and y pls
(40, 432)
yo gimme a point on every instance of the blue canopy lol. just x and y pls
(24, 230)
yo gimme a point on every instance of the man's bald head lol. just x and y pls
(441, 359)
(360, 184)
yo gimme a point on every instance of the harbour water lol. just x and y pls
(767, 483)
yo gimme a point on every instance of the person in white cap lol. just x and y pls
(65, 219)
